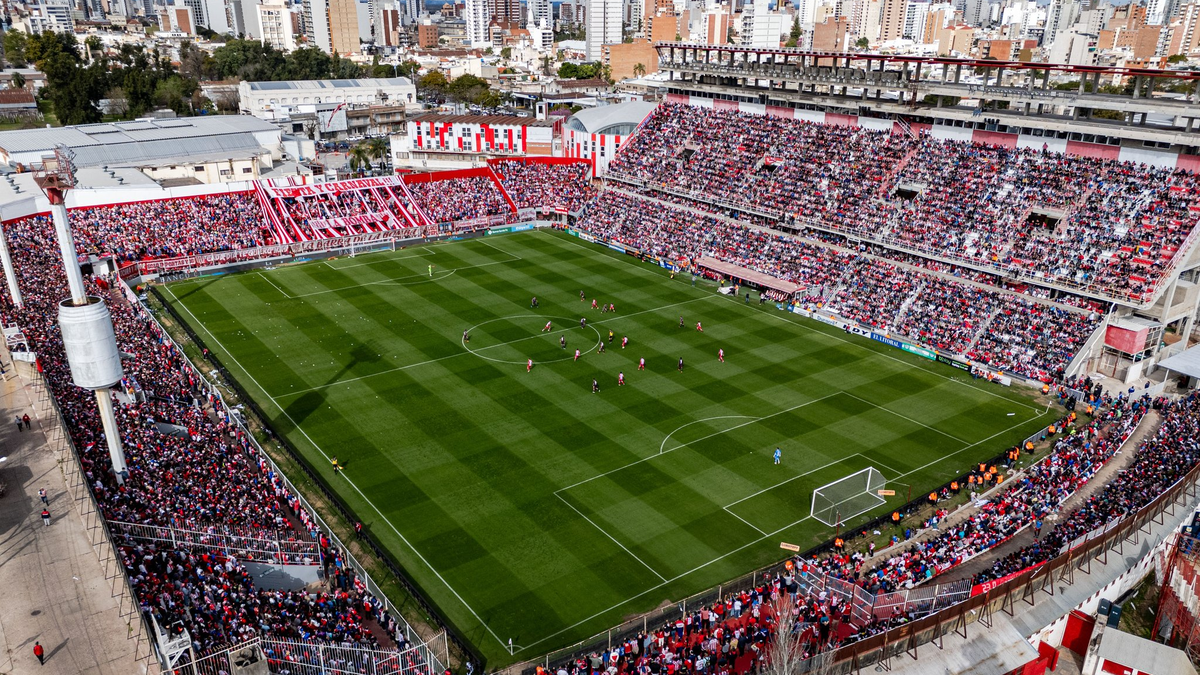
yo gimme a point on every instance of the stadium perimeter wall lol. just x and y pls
(1125, 153)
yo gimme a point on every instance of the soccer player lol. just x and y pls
(595, 386)
(582, 297)
(681, 321)
(610, 335)
(529, 365)
(562, 341)
(778, 455)
(699, 327)
(641, 364)
(681, 364)
(601, 350)
(336, 467)
(576, 354)
(583, 322)
(547, 328)
(431, 270)
(624, 341)
(594, 305)
(533, 303)
(621, 379)
(466, 336)
(721, 355)
(612, 307)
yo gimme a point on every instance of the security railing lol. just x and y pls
(58, 439)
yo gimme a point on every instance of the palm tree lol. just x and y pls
(377, 148)
(639, 70)
(359, 158)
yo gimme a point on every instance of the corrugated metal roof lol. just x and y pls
(96, 144)
(329, 84)
(595, 120)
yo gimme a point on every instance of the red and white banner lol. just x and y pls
(348, 221)
(333, 187)
(980, 589)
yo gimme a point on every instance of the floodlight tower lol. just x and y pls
(10, 273)
(87, 329)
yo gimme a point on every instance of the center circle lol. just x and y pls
(478, 352)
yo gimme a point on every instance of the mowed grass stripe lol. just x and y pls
(468, 458)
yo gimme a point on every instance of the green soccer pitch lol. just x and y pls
(525, 505)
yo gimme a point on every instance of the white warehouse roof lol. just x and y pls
(141, 140)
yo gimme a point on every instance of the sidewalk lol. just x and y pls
(54, 590)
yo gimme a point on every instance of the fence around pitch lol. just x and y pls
(246, 546)
(59, 440)
(303, 657)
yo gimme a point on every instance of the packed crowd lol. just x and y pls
(343, 214)
(1114, 226)
(536, 184)
(454, 199)
(207, 479)
(964, 317)
(170, 228)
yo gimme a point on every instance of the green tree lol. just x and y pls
(863, 43)
(506, 53)
(18, 81)
(383, 70)
(359, 159)
(15, 42)
(639, 69)
(467, 89)
(408, 68)
(175, 93)
(345, 69)
(307, 63)
(433, 86)
(377, 149)
(568, 71)
(1176, 58)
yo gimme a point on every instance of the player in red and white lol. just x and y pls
(721, 355)
(624, 341)
(698, 327)
(529, 365)
(612, 307)
(576, 354)
(547, 328)
(594, 305)
(621, 379)
(641, 364)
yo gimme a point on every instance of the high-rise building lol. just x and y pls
(603, 26)
(716, 26)
(1060, 16)
(477, 15)
(317, 21)
(1159, 12)
(506, 10)
(891, 19)
(275, 25)
(343, 25)
(914, 20)
(212, 14)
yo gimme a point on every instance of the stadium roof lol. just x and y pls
(140, 141)
(365, 83)
(1186, 362)
(598, 120)
(497, 120)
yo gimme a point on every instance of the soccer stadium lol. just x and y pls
(781, 383)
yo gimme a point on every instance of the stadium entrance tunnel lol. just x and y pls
(1041, 219)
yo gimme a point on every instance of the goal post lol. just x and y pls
(843, 499)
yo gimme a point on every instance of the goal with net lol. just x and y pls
(848, 497)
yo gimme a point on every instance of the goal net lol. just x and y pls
(844, 499)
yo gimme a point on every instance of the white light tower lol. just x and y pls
(87, 329)
(10, 273)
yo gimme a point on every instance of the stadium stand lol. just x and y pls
(1054, 217)
(208, 479)
(533, 184)
(929, 309)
